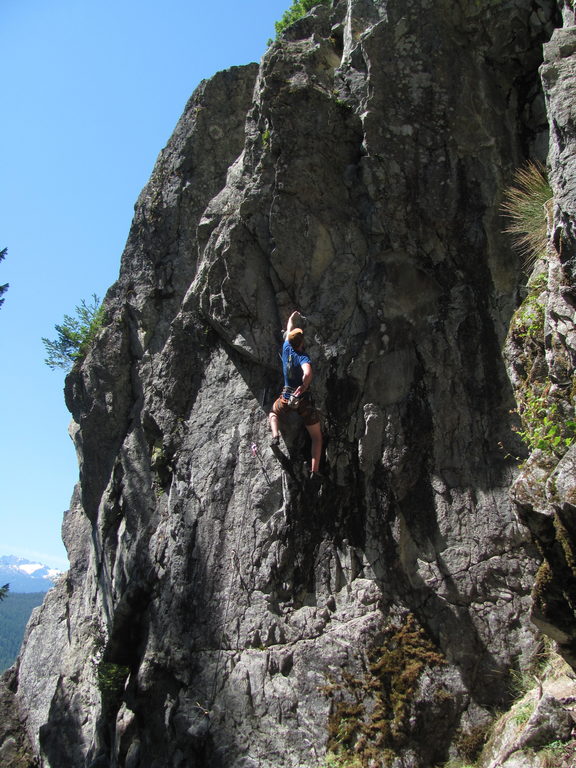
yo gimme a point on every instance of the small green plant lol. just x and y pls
(521, 683)
(546, 412)
(522, 712)
(266, 138)
(338, 761)
(75, 335)
(526, 204)
(111, 682)
(529, 319)
(298, 9)
(553, 754)
(543, 425)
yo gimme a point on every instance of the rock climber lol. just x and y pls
(295, 395)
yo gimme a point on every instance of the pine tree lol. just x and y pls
(75, 335)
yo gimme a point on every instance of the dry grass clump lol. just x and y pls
(527, 205)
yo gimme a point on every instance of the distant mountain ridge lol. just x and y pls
(26, 576)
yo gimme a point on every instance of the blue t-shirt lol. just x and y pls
(292, 365)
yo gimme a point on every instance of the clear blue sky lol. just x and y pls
(91, 92)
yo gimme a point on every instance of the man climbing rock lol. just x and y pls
(295, 395)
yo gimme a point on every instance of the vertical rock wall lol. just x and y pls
(545, 491)
(219, 610)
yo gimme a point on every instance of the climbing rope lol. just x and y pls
(256, 454)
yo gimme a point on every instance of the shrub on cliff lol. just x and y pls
(75, 335)
(298, 9)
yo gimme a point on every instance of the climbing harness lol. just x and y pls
(288, 396)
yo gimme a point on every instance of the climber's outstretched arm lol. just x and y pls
(293, 321)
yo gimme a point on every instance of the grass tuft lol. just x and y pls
(527, 204)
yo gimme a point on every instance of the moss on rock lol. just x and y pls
(369, 714)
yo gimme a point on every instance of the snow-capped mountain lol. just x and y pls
(25, 576)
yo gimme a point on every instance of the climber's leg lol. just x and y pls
(315, 432)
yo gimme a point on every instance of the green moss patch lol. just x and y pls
(369, 715)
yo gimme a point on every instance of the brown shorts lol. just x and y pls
(305, 410)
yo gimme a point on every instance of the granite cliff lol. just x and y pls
(219, 609)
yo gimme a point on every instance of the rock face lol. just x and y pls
(545, 491)
(220, 610)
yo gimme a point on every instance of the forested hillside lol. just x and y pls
(15, 611)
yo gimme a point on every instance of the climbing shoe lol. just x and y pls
(315, 483)
(276, 450)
